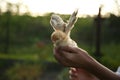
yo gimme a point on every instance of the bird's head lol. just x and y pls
(58, 36)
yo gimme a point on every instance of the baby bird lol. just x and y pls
(61, 34)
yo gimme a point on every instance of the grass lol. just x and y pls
(19, 56)
(111, 58)
(33, 53)
(111, 54)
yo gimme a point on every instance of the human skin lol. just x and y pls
(81, 74)
(79, 58)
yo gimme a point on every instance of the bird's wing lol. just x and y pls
(57, 22)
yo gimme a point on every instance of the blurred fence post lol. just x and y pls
(8, 16)
(98, 23)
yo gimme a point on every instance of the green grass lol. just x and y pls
(111, 54)
(33, 52)
(20, 56)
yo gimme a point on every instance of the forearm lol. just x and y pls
(102, 72)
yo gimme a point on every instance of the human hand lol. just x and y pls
(81, 74)
(78, 58)
(72, 57)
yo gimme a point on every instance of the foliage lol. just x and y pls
(111, 53)
(111, 30)
(32, 53)
(24, 72)
(64, 75)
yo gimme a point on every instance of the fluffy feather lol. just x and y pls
(61, 35)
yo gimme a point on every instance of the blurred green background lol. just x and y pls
(26, 49)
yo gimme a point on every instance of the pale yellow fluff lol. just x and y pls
(61, 35)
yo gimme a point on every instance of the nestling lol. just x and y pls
(61, 34)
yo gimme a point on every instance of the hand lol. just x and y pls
(78, 58)
(72, 56)
(81, 74)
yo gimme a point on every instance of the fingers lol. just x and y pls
(72, 49)
(65, 56)
(63, 52)
(60, 58)
(72, 56)
(68, 48)
(73, 74)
